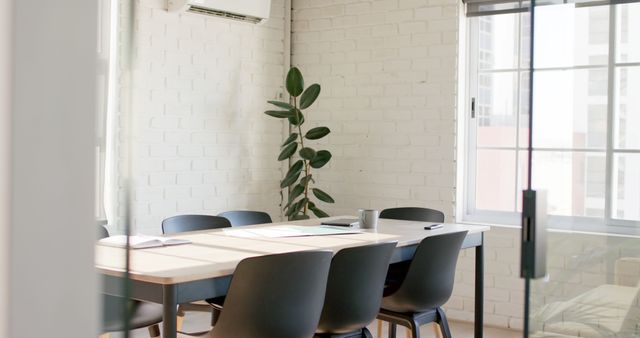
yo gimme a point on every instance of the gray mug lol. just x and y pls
(368, 218)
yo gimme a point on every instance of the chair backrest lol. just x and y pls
(184, 223)
(246, 217)
(413, 214)
(429, 280)
(354, 289)
(275, 296)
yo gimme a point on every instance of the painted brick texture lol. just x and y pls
(388, 75)
(388, 69)
(198, 88)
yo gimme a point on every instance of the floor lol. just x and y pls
(195, 321)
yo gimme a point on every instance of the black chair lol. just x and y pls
(426, 287)
(184, 223)
(275, 296)
(354, 290)
(397, 271)
(413, 214)
(142, 314)
(246, 217)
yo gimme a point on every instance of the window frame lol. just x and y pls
(606, 224)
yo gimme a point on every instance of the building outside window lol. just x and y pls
(586, 119)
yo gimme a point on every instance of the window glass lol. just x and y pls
(627, 37)
(574, 182)
(495, 180)
(626, 174)
(573, 119)
(498, 42)
(496, 109)
(627, 112)
(566, 36)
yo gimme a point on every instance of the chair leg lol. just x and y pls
(436, 330)
(154, 331)
(215, 315)
(444, 324)
(179, 318)
(392, 330)
(415, 329)
(379, 331)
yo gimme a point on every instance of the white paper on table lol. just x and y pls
(278, 231)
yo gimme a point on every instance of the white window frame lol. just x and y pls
(606, 224)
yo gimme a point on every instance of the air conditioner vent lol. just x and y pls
(208, 11)
(252, 11)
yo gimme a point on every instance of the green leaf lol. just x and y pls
(317, 133)
(309, 96)
(288, 151)
(290, 178)
(297, 207)
(323, 196)
(281, 114)
(295, 192)
(307, 153)
(292, 209)
(290, 139)
(298, 217)
(296, 121)
(295, 82)
(292, 175)
(305, 180)
(283, 105)
(322, 157)
(296, 167)
(319, 213)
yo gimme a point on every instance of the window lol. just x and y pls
(586, 126)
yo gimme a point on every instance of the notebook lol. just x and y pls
(142, 241)
(343, 222)
(285, 230)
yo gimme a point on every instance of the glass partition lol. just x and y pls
(586, 157)
(120, 313)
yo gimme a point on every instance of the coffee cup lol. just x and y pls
(368, 218)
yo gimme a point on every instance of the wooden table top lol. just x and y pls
(213, 253)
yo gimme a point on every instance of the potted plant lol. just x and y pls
(299, 180)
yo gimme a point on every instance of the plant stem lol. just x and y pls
(306, 163)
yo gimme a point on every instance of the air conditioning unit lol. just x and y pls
(252, 11)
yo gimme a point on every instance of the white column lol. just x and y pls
(52, 283)
(5, 67)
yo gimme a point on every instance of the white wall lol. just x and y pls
(389, 74)
(200, 140)
(52, 281)
(388, 71)
(5, 123)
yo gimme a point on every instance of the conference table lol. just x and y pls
(172, 275)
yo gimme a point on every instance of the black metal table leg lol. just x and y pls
(170, 311)
(479, 291)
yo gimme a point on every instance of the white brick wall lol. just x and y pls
(389, 78)
(200, 141)
(388, 74)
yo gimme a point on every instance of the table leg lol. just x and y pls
(170, 311)
(479, 291)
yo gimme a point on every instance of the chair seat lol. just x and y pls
(143, 314)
